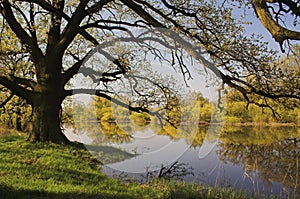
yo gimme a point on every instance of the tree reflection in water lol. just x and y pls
(270, 154)
(119, 133)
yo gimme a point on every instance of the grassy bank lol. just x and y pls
(55, 171)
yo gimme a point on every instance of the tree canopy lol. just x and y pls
(46, 44)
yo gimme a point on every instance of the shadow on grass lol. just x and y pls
(108, 154)
(7, 192)
(47, 170)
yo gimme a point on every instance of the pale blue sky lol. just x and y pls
(257, 28)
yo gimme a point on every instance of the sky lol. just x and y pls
(257, 28)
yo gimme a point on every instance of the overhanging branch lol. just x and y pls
(279, 33)
(11, 84)
(100, 93)
(73, 26)
(22, 81)
(248, 89)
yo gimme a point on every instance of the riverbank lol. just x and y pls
(46, 170)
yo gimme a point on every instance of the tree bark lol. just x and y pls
(46, 121)
(46, 107)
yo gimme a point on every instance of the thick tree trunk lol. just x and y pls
(46, 109)
(46, 122)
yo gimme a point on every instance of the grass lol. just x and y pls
(46, 170)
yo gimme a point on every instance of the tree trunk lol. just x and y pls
(46, 122)
(46, 110)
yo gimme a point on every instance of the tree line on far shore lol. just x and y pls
(17, 114)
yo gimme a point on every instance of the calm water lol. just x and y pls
(255, 159)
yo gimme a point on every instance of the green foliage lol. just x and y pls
(192, 109)
(105, 122)
(107, 117)
(238, 111)
(103, 109)
(260, 135)
(16, 114)
(205, 111)
(67, 117)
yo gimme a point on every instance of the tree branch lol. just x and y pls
(100, 93)
(142, 13)
(22, 81)
(103, 27)
(54, 32)
(7, 13)
(71, 71)
(73, 27)
(279, 33)
(185, 44)
(189, 48)
(290, 4)
(251, 89)
(11, 84)
(70, 32)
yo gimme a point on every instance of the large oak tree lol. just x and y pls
(44, 45)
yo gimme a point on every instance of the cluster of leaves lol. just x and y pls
(14, 65)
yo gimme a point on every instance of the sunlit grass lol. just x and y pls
(46, 170)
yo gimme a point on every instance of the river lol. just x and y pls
(257, 160)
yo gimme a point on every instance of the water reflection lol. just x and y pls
(122, 133)
(269, 154)
(258, 160)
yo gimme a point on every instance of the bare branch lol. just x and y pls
(145, 15)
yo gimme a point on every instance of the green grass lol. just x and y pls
(46, 170)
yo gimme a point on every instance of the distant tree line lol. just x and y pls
(17, 114)
(238, 111)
